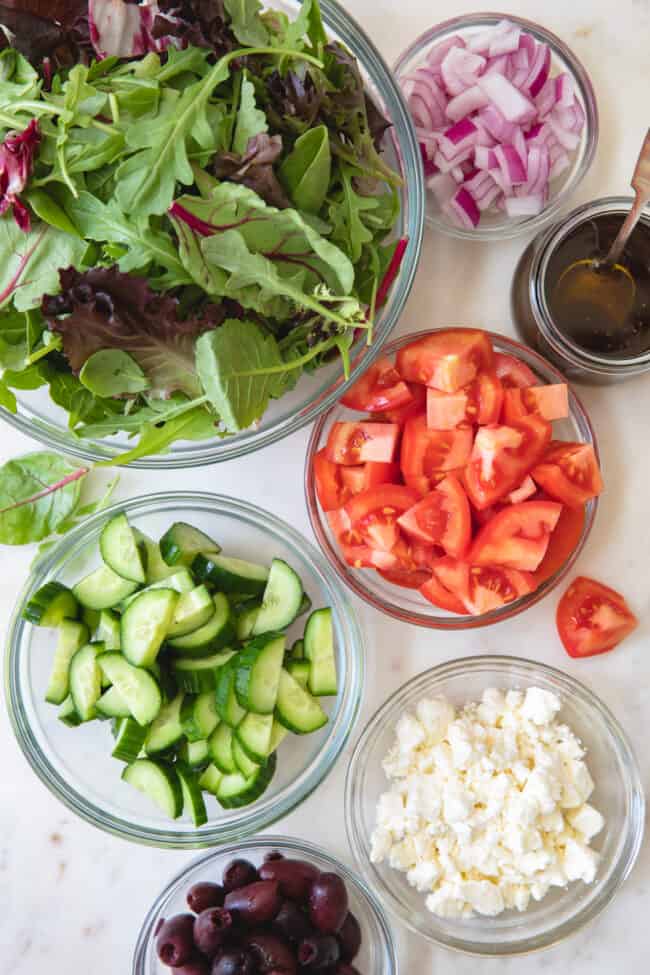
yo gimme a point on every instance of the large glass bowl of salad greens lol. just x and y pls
(183, 670)
(210, 221)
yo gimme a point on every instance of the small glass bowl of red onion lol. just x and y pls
(507, 122)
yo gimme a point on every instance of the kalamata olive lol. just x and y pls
(204, 895)
(255, 903)
(233, 961)
(319, 952)
(328, 903)
(272, 953)
(292, 922)
(211, 928)
(238, 873)
(273, 855)
(344, 969)
(350, 937)
(198, 966)
(295, 877)
(175, 941)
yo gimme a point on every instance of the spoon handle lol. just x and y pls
(641, 187)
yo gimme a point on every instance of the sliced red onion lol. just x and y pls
(490, 196)
(519, 142)
(559, 165)
(481, 42)
(460, 69)
(437, 53)
(514, 106)
(443, 186)
(458, 174)
(467, 102)
(505, 43)
(564, 89)
(539, 70)
(524, 206)
(446, 165)
(463, 209)
(458, 137)
(498, 65)
(491, 119)
(484, 158)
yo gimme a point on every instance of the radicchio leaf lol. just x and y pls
(106, 309)
(16, 163)
(49, 33)
(126, 29)
(254, 169)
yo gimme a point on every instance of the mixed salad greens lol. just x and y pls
(195, 210)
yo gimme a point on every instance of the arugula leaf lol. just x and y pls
(49, 211)
(157, 411)
(250, 120)
(67, 391)
(13, 338)
(297, 29)
(111, 372)
(38, 492)
(307, 170)
(347, 213)
(245, 22)
(197, 424)
(29, 263)
(7, 398)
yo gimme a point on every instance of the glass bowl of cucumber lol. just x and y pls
(183, 669)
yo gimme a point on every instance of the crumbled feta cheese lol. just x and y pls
(488, 805)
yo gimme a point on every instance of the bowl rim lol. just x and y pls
(298, 846)
(380, 76)
(569, 686)
(508, 231)
(250, 819)
(354, 580)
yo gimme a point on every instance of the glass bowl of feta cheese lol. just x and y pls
(494, 805)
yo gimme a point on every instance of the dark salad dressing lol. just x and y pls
(587, 307)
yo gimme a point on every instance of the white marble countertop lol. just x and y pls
(71, 897)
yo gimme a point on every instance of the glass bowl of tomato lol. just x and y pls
(387, 492)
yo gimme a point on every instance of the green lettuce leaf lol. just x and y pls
(29, 263)
(250, 120)
(246, 24)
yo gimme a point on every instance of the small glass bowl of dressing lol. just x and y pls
(581, 334)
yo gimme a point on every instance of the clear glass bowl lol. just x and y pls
(407, 604)
(40, 418)
(494, 225)
(618, 795)
(76, 764)
(377, 955)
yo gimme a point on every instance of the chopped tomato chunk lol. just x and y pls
(592, 618)
(443, 598)
(491, 587)
(373, 514)
(480, 402)
(356, 443)
(569, 472)
(517, 537)
(562, 543)
(502, 456)
(513, 373)
(330, 488)
(380, 388)
(445, 411)
(526, 490)
(448, 359)
(441, 518)
(364, 476)
(426, 453)
(406, 578)
(417, 405)
(549, 402)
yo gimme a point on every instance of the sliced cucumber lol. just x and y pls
(72, 637)
(242, 761)
(193, 802)
(258, 673)
(217, 633)
(129, 739)
(112, 705)
(305, 604)
(145, 623)
(85, 681)
(156, 567)
(246, 621)
(281, 601)
(298, 650)
(182, 543)
(227, 705)
(299, 670)
(197, 675)
(159, 782)
(67, 713)
(210, 779)
(91, 618)
(194, 609)
(108, 629)
(235, 790)
(119, 547)
(103, 589)
(296, 709)
(180, 581)
(52, 603)
(230, 575)
(136, 686)
(166, 729)
(199, 716)
(278, 734)
(220, 745)
(254, 735)
(319, 651)
(196, 754)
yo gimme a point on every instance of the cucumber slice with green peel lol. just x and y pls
(51, 604)
(319, 651)
(278, 734)
(182, 543)
(235, 790)
(296, 709)
(108, 629)
(258, 673)
(305, 604)
(159, 782)
(91, 618)
(245, 622)
(129, 739)
(220, 745)
(196, 754)
(72, 637)
(67, 713)
(242, 761)
(194, 609)
(217, 633)
(155, 566)
(112, 705)
(119, 549)
(227, 705)
(180, 581)
(195, 675)
(166, 728)
(199, 716)
(103, 589)
(193, 803)
(210, 779)
(297, 651)
(281, 600)
(136, 686)
(299, 670)
(254, 736)
(230, 575)
(145, 623)
(85, 681)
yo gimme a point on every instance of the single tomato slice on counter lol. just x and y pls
(526, 490)
(331, 490)
(426, 453)
(549, 402)
(569, 472)
(592, 618)
(448, 359)
(418, 404)
(562, 543)
(517, 537)
(502, 456)
(373, 514)
(380, 388)
(356, 443)
(480, 402)
(442, 518)
(513, 373)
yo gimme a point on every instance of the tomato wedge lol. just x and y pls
(426, 453)
(436, 593)
(526, 490)
(445, 411)
(417, 405)
(516, 537)
(364, 476)
(448, 359)
(373, 514)
(406, 578)
(331, 491)
(480, 402)
(502, 456)
(562, 542)
(356, 443)
(380, 388)
(549, 402)
(482, 588)
(592, 618)
(441, 518)
(569, 472)
(513, 373)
